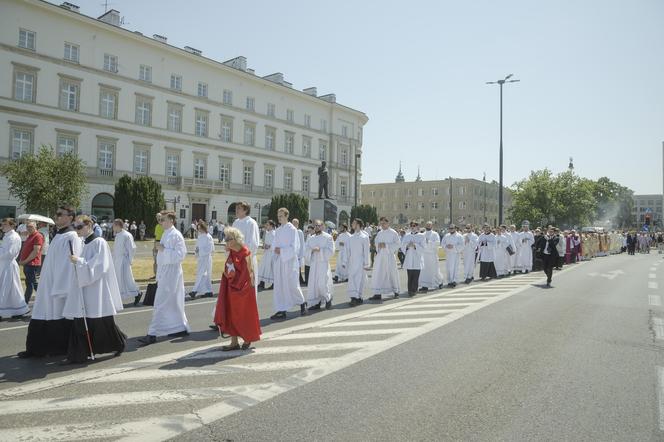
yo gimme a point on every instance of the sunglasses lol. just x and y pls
(79, 226)
(62, 214)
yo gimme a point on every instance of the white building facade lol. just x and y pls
(211, 133)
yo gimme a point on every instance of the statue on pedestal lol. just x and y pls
(322, 181)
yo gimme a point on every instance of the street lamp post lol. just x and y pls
(500, 171)
(451, 201)
(484, 206)
(357, 159)
(259, 207)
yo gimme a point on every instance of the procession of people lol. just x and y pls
(85, 283)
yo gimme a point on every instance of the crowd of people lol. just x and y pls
(85, 283)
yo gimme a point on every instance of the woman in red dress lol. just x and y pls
(237, 313)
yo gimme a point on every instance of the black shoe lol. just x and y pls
(118, 353)
(440, 286)
(192, 295)
(278, 316)
(454, 284)
(411, 294)
(147, 340)
(335, 279)
(424, 289)
(526, 272)
(179, 334)
(450, 284)
(354, 302)
(24, 354)
(467, 281)
(396, 295)
(208, 295)
(261, 286)
(328, 305)
(377, 298)
(360, 301)
(213, 327)
(137, 299)
(270, 287)
(303, 309)
(315, 307)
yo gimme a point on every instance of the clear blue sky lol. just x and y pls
(591, 71)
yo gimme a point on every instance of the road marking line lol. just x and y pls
(660, 396)
(415, 313)
(655, 300)
(419, 306)
(331, 334)
(464, 299)
(378, 322)
(658, 327)
(218, 354)
(653, 269)
(652, 276)
(653, 285)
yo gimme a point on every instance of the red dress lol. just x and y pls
(237, 312)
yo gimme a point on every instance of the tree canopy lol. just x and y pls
(365, 212)
(138, 199)
(297, 205)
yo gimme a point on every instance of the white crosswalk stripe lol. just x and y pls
(294, 356)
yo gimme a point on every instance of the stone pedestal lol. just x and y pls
(323, 209)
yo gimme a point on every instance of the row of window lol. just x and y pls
(22, 143)
(27, 40)
(460, 191)
(25, 81)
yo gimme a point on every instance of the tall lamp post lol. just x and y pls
(484, 206)
(500, 172)
(357, 160)
(259, 207)
(451, 221)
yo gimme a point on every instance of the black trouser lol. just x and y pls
(549, 262)
(413, 280)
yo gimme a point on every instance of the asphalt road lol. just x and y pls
(503, 360)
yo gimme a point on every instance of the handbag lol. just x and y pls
(150, 294)
(510, 250)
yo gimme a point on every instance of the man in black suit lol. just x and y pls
(546, 248)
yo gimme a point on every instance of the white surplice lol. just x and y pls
(266, 267)
(249, 229)
(515, 238)
(320, 277)
(287, 292)
(501, 260)
(124, 248)
(470, 240)
(453, 244)
(341, 244)
(100, 294)
(356, 259)
(12, 302)
(525, 259)
(168, 315)
(385, 276)
(430, 276)
(204, 251)
(414, 260)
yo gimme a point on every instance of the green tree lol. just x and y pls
(297, 205)
(138, 199)
(365, 212)
(532, 198)
(43, 181)
(614, 203)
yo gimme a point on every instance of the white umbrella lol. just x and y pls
(330, 224)
(34, 217)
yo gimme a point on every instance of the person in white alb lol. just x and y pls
(515, 236)
(301, 259)
(318, 250)
(430, 277)
(412, 245)
(266, 267)
(385, 276)
(525, 259)
(12, 303)
(123, 255)
(204, 252)
(469, 253)
(486, 253)
(452, 243)
(340, 271)
(357, 262)
(249, 229)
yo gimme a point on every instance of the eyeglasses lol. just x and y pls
(79, 226)
(62, 214)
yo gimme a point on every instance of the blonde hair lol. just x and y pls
(233, 234)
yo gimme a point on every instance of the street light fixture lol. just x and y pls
(500, 190)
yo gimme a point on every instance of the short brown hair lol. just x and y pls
(70, 209)
(10, 221)
(202, 225)
(168, 214)
(85, 219)
(244, 205)
(382, 218)
(284, 211)
(118, 222)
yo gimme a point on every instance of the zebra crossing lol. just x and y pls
(181, 391)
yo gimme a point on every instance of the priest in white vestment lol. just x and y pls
(168, 316)
(318, 250)
(12, 302)
(204, 252)
(356, 262)
(340, 271)
(124, 249)
(430, 276)
(527, 239)
(452, 243)
(49, 330)
(486, 253)
(470, 240)
(249, 228)
(385, 276)
(93, 308)
(287, 293)
(515, 237)
(266, 266)
(502, 259)
(412, 245)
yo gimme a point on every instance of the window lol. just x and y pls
(269, 178)
(226, 129)
(145, 73)
(462, 191)
(65, 143)
(200, 168)
(420, 206)
(25, 80)
(248, 176)
(141, 160)
(323, 125)
(202, 118)
(305, 183)
(290, 115)
(26, 39)
(143, 110)
(434, 191)
(307, 120)
(306, 147)
(70, 90)
(288, 180)
(108, 103)
(322, 150)
(462, 204)
(289, 142)
(344, 131)
(174, 120)
(250, 104)
(343, 188)
(434, 204)
(110, 63)
(172, 164)
(228, 97)
(406, 205)
(225, 171)
(249, 133)
(105, 151)
(71, 52)
(344, 157)
(270, 136)
(420, 192)
(271, 110)
(202, 89)
(176, 82)
(409, 192)
(21, 141)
